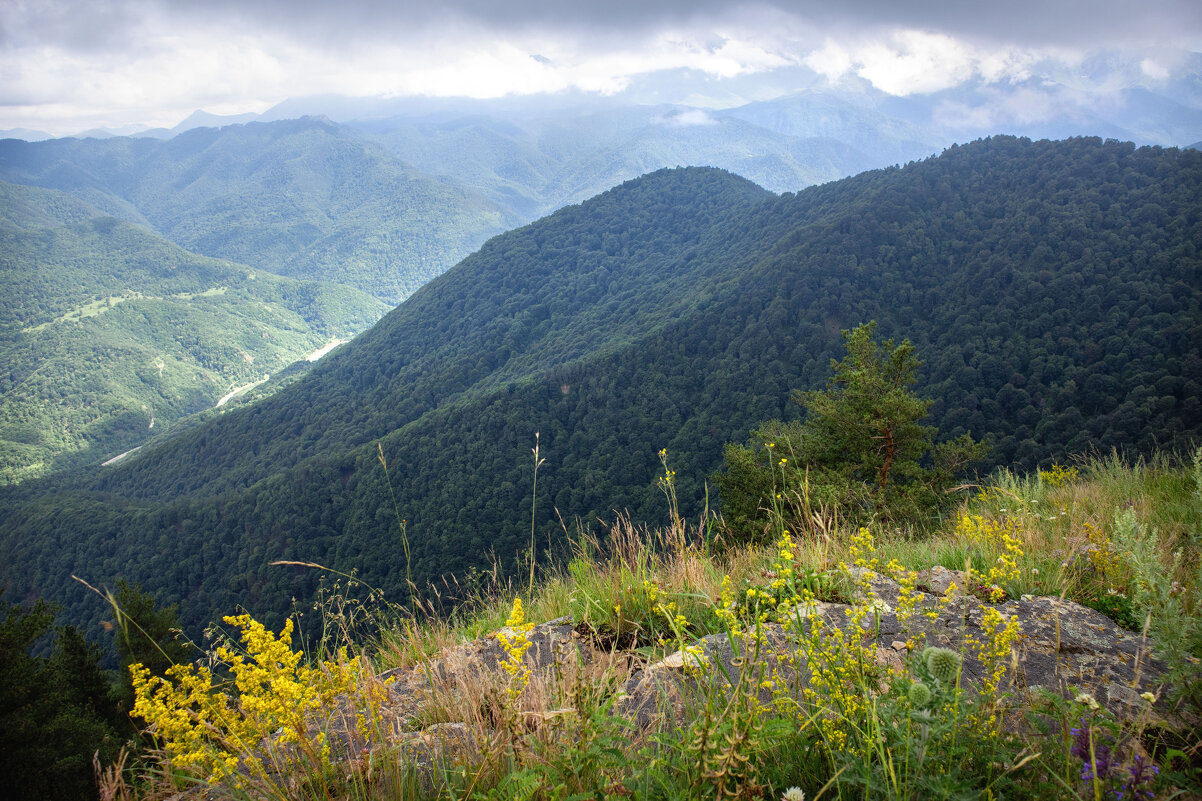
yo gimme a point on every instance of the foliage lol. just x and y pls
(55, 711)
(213, 732)
(301, 198)
(860, 728)
(860, 448)
(146, 635)
(109, 335)
(1048, 285)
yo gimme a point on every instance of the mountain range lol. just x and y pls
(1050, 287)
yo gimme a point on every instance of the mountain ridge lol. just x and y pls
(302, 198)
(109, 334)
(1047, 284)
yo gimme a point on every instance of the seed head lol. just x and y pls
(920, 694)
(944, 664)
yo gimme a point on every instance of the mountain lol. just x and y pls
(1050, 288)
(849, 117)
(535, 164)
(302, 198)
(109, 334)
(28, 134)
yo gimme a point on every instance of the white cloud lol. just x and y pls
(66, 65)
(1153, 70)
(832, 61)
(912, 62)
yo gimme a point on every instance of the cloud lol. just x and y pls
(915, 62)
(687, 118)
(1153, 70)
(81, 24)
(67, 64)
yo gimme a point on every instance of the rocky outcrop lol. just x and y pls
(1063, 647)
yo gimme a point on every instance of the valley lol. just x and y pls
(1050, 286)
(758, 401)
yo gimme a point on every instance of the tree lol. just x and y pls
(146, 634)
(861, 450)
(865, 424)
(56, 711)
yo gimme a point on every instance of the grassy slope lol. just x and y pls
(1134, 526)
(105, 328)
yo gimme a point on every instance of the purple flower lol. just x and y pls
(1096, 759)
(1138, 786)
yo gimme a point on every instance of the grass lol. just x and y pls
(1121, 537)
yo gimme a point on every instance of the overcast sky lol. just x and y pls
(69, 65)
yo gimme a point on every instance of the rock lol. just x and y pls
(936, 580)
(478, 663)
(1063, 647)
(660, 694)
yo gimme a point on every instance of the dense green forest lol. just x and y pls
(1051, 288)
(109, 334)
(303, 198)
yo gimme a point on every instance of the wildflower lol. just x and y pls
(879, 607)
(920, 694)
(1094, 756)
(515, 640)
(1087, 699)
(1138, 786)
(944, 664)
(1151, 699)
(694, 660)
(794, 794)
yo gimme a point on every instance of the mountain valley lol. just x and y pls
(1051, 288)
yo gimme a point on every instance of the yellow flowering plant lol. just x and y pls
(268, 710)
(515, 641)
(991, 534)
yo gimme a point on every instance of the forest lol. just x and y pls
(1051, 290)
(109, 334)
(301, 198)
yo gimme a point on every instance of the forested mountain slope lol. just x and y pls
(304, 198)
(109, 334)
(1051, 287)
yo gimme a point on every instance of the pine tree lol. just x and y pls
(861, 448)
(865, 424)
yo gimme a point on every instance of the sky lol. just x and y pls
(71, 65)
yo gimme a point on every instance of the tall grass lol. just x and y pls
(1120, 537)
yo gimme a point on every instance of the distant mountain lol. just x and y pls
(109, 335)
(851, 118)
(1049, 288)
(304, 198)
(536, 164)
(27, 134)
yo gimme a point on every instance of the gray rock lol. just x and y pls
(1063, 647)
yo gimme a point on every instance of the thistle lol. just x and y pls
(920, 694)
(943, 664)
